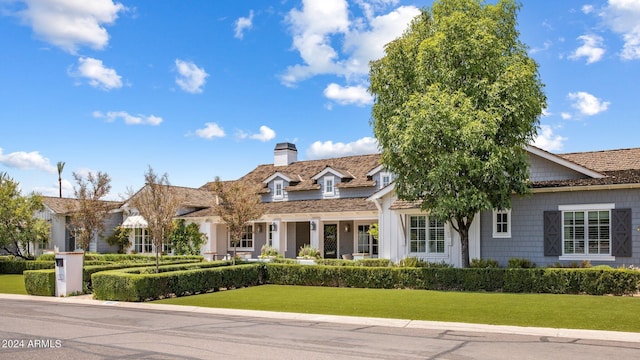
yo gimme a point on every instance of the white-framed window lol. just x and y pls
(270, 235)
(278, 189)
(385, 179)
(246, 241)
(329, 189)
(502, 223)
(367, 243)
(586, 231)
(426, 235)
(141, 241)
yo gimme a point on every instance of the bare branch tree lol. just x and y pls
(239, 203)
(89, 211)
(157, 203)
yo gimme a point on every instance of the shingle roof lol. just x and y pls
(190, 197)
(357, 166)
(63, 205)
(606, 160)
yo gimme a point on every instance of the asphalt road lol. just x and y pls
(49, 328)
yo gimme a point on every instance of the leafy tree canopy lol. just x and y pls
(457, 100)
(19, 228)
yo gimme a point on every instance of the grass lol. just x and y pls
(538, 310)
(12, 284)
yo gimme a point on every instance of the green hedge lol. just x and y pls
(19, 266)
(362, 262)
(556, 281)
(131, 285)
(40, 282)
(131, 258)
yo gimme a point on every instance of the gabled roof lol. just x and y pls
(590, 172)
(65, 205)
(607, 160)
(190, 197)
(356, 167)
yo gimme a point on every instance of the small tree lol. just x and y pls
(18, 226)
(88, 213)
(238, 204)
(120, 238)
(457, 100)
(186, 239)
(157, 203)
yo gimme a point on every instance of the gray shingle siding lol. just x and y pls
(527, 228)
(545, 170)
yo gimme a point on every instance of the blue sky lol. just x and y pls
(207, 88)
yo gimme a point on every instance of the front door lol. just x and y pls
(331, 241)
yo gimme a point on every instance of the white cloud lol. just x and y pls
(545, 46)
(98, 75)
(547, 140)
(327, 149)
(588, 104)
(357, 95)
(587, 9)
(623, 17)
(128, 118)
(69, 24)
(242, 24)
(210, 131)
(591, 49)
(264, 135)
(320, 24)
(54, 190)
(565, 115)
(27, 161)
(191, 78)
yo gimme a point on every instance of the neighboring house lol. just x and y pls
(57, 212)
(191, 200)
(583, 207)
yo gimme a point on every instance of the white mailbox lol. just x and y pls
(68, 273)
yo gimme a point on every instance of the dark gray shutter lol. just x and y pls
(621, 232)
(552, 233)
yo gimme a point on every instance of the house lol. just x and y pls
(583, 207)
(57, 212)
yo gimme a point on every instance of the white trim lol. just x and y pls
(586, 207)
(501, 235)
(275, 176)
(331, 193)
(382, 192)
(328, 170)
(277, 196)
(376, 170)
(566, 163)
(589, 257)
(382, 175)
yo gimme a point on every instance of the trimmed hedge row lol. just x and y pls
(555, 281)
(19, 266)
(40, 282)
(127, 257)
(362, 262)
(130, 285)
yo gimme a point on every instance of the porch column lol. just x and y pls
(314, 233)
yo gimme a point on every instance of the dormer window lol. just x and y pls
(328, 186)
(385, 179)
(278, 192)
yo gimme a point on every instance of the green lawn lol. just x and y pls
(539, 310)
(12, 284)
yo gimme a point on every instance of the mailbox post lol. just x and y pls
(68, 273)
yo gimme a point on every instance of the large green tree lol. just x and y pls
(19, 227)
(457, 100)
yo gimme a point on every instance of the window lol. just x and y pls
(246, 241)
(367, 243)
(586, 232)
(141, 241)
(426, 235)
(270, 235)
(328, 186)
(385, 179)
(502, 223)
(278, 189)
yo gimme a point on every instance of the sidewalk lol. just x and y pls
(353, 320)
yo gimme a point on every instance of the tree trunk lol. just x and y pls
(464, 244)
(157, 259)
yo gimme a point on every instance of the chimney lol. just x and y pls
(285, 154)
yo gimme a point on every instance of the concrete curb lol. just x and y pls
(351, 320)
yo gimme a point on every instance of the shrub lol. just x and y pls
(309, 252)
(521, 263)
(417, 262)
(484, 263)
(40, 282)
(268, 251)
(18, 266)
